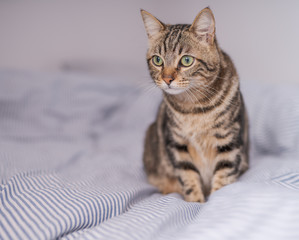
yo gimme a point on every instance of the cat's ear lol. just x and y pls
(152, 25)
(204, 26)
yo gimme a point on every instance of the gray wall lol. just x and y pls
(261, 36)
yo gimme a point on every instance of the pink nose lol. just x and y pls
(168, 79)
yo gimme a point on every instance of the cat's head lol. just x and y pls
(182, 57)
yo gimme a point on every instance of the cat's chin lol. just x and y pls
(174, 91)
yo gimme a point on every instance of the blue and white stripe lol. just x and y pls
(70, 166)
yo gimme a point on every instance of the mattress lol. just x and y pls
(71, 164)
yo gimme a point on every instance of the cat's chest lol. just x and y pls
(198, 134)
(201, 142)
(193, 127)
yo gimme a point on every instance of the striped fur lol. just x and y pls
(199, 141)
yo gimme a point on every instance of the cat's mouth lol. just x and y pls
(172, 88)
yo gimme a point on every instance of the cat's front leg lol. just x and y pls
(228, 170)
(186, 172)
(191, 185)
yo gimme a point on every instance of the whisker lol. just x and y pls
(216, 92)
(199, 92)
(147, 87)
(198, 102)
(223, 99)
(189, 96)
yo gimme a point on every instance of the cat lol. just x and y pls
(199, 141)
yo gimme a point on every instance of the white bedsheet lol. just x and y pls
(71, 166)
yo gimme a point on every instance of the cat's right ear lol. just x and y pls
(204, 26)
(152, 25)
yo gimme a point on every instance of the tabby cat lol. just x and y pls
(199, 141)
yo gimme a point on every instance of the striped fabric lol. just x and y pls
(71, 168)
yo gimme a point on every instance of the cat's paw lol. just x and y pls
(193, 195)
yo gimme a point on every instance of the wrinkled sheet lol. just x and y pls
(71, 164)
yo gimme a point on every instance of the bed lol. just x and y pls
(71, 164)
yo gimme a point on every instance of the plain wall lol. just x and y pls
(261, 36)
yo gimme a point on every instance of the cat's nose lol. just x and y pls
(168, 79)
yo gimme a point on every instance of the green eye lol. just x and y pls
(187, 61)
(157, 60)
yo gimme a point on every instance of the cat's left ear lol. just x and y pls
(204, 26)
(152, 25)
